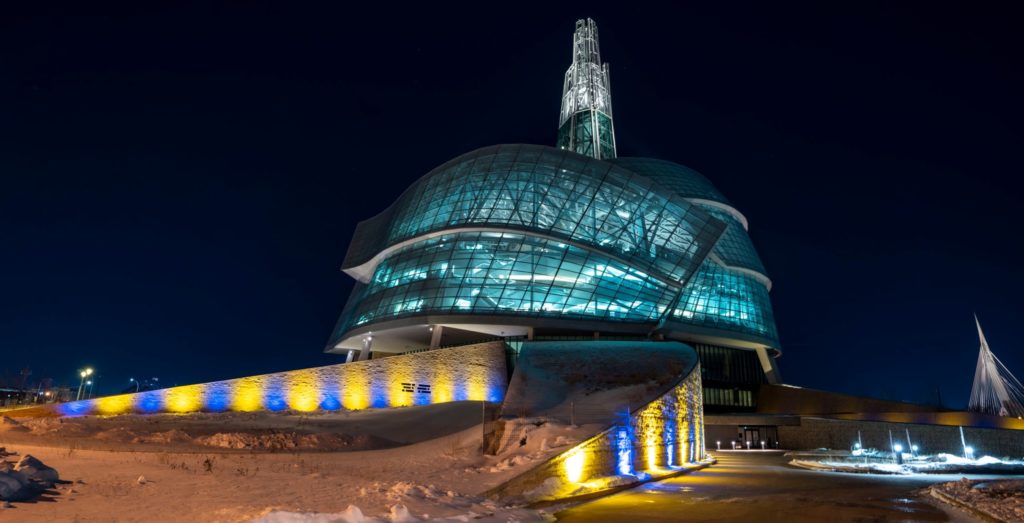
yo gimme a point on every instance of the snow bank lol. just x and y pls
(939, 464)
(25, 479)
(10, 425)
(997, 499)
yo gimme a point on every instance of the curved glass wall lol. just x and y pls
(720, 298)
(537, 189)
(734, 247)
(677, 178)
(533, 231)
(506, 273)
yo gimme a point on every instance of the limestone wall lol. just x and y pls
(471, 372)
(660, 438)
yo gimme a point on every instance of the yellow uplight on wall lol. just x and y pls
(248, 394)
(574, 466)
(115, 404)
(400, 381)
(184, 399)
(356, 390)
(303, 391)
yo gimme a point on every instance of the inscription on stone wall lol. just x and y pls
(418, 388)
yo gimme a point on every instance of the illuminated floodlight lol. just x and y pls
(897, 447)
(856, 446)
(969, 451)
(719, 443)
(913, 448)
(574, 467)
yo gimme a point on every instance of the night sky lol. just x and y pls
(179, 184)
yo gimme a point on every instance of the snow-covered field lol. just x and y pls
(397, 465)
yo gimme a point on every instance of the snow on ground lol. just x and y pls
(1003, 499)
(348, 430)
(177, 468)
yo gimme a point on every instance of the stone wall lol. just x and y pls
(661, 438)
(471, 372)
(814, 433)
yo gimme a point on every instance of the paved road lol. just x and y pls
(759, 487)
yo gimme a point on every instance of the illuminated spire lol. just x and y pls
(585, 125)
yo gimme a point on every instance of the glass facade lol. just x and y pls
(728, 397)
(586, 129)
(728, 300)
(560, 194)
(681, 180)
(735, 248)
(539, 232)
(725, 365)
(507, 273)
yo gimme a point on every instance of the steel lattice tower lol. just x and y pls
(585, 125)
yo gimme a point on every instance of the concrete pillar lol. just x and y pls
(367, 345)
(529, 333)
(768, 365)
(435, 336)
(350, 356)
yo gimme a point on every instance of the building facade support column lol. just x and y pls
(435, 335)
(367, 345)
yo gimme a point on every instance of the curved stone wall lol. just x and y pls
(661, 438)
(471, 372)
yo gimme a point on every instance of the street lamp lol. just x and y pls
(81, 384)
(133, 380)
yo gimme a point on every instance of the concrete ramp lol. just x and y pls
(643, 398)
(593, 382)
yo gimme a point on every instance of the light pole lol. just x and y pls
(133, 380)
(81, 384)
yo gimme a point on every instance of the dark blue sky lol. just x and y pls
(179, 183)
